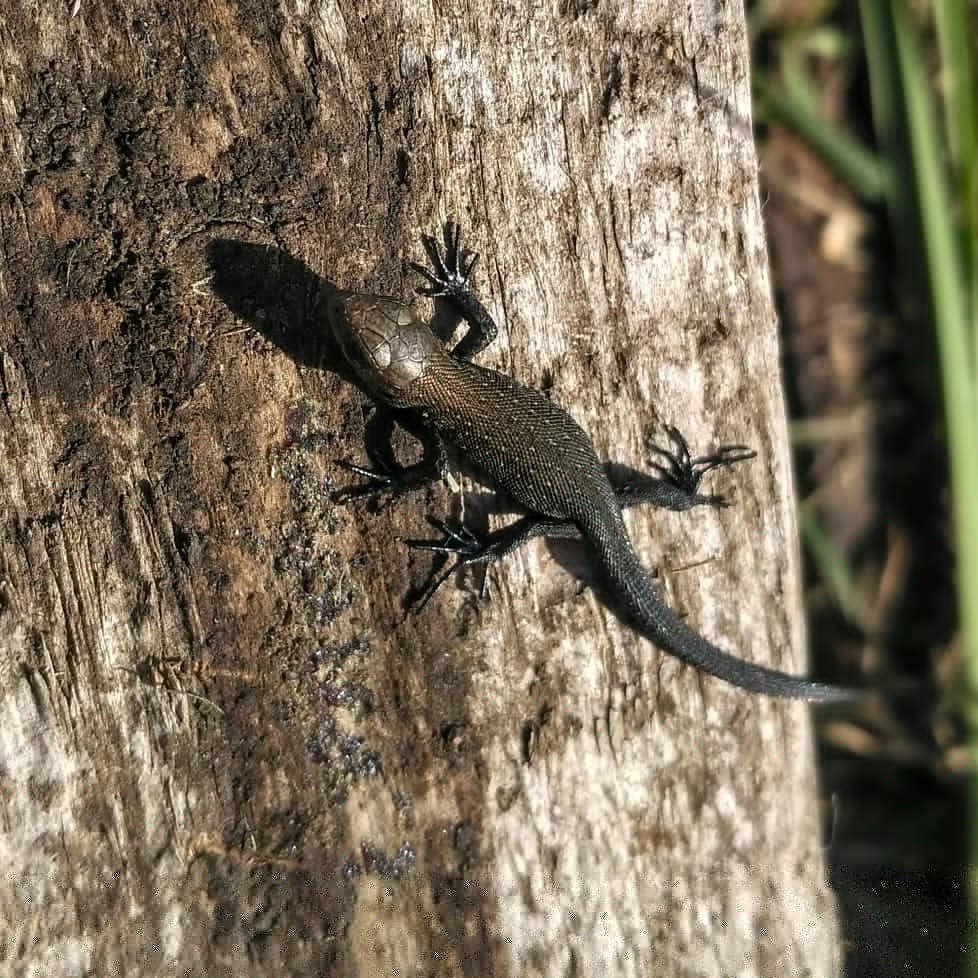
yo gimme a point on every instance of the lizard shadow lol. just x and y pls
(279, 297)
(284, 300)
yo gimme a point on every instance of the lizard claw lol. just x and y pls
(375, 481)
(450, 274)
(679, 468)
(455, 541)
(459, 541)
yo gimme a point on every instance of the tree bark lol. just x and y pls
(225, 745)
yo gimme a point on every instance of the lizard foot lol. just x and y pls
(376, 481)
(383, 479)
(451, 272)
(680, 469)
(466, 546)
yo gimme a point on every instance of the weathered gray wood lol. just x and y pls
(224, 746)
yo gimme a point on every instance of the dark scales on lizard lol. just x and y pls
(534, 451)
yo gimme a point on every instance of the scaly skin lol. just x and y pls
(535, 452)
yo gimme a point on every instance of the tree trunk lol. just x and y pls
(225, 745)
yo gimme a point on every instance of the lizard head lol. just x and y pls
(383, 341)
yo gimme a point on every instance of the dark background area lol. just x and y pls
(863, 393)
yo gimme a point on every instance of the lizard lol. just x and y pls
(531, 449)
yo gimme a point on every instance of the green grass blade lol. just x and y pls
(956, 38)
(950, 307)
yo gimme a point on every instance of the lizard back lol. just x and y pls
(526, 444)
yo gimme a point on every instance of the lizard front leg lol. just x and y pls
(385, 475)
(449, 278)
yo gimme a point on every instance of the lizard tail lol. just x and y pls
(640, 597)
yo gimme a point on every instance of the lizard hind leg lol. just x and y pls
(460, 542)
(470, 548)
(678, 475)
